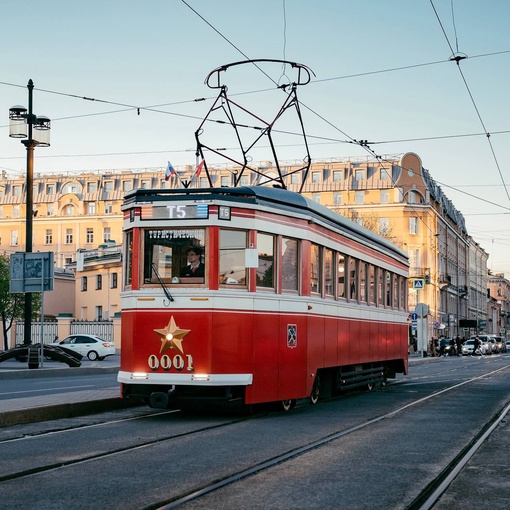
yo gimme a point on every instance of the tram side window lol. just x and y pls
(129, 259)
(328, 273)
(372, 288)
(380, 287)
(353, 279)
(389, 289)
(174, 256)
(232, 257)
(290, 267)
(396, 295)
(315, 259)
(363, 282)
(403, 286)
(341, 276)
(265, 270)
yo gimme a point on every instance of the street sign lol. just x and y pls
(414, 316)
(31, 272)
(418, 283)
(422, 309)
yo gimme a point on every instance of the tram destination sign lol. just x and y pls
(175, 212)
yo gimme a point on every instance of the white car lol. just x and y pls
(467, 347)
(92, 346)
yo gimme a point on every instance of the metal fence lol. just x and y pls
(50, 331)
(104, 329)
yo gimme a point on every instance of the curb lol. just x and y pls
(59, 411)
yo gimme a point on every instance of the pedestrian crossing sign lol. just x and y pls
(418, 283)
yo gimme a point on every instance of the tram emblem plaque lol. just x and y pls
(291, 336)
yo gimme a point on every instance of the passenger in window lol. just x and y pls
(195, 267)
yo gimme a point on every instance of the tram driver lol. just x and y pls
(195, 267)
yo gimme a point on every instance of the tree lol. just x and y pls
(12, 306)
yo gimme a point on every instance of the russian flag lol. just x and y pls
(169, 171)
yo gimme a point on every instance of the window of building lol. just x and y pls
(338, 175)
(385, 175)
(16, 190)
(127, 186)
(50, 189)
(385, 196)
(164, 184)
(145, 185)
(107, 234)
(359, 175)
(71, 187)
(359, 197)
(108, 207)
(113, 280)
(69, 210)
(99, 313)
(91, 208)
(89, 236)
(337, 198)
(265, 270)
(14, 238)
(399, 195)
(99, 282)
(83, 283)
(290, 264)
(1, 212)
(69, 236)
(360, 221)
(232, 257)
(50, 209)
(15, 211)
(384, 226)
(413, 225)
(294, 179)
(316, 177)
(108, 186)
(91, 187)
(48, 236)
(225, 180)
(316, 197)
(315, 270)
(204, 182)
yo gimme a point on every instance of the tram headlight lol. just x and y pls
(139, 375)
(200, 377)
(169, 336)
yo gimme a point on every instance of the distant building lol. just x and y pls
(394, 196)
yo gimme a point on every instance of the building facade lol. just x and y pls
(394, 196)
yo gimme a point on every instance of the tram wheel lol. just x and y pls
(287, 405)
(314, 397)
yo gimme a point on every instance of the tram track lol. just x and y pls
(263, 465)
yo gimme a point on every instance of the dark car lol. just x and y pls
(445, 347)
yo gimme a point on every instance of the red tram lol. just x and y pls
(294, 301)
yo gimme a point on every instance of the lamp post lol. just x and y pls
(35, 131)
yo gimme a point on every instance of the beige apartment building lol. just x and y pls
(394, 196)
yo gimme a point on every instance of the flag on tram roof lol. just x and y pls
(169, 171)
(199, 168)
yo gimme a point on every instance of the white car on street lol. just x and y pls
(92, 346)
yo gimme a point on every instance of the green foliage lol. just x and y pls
(12, 306)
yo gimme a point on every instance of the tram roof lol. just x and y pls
(277, 197)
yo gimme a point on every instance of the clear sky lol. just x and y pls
(382, 74)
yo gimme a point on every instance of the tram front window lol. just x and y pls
(174, 256)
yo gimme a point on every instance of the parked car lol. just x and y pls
(501, 344)
(91, 346)
(468, 346)
(445, 347)
(495, 347)
(486, 344)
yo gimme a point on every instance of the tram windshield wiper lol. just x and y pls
(165, 290)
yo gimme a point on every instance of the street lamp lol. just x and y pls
(35, 131)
